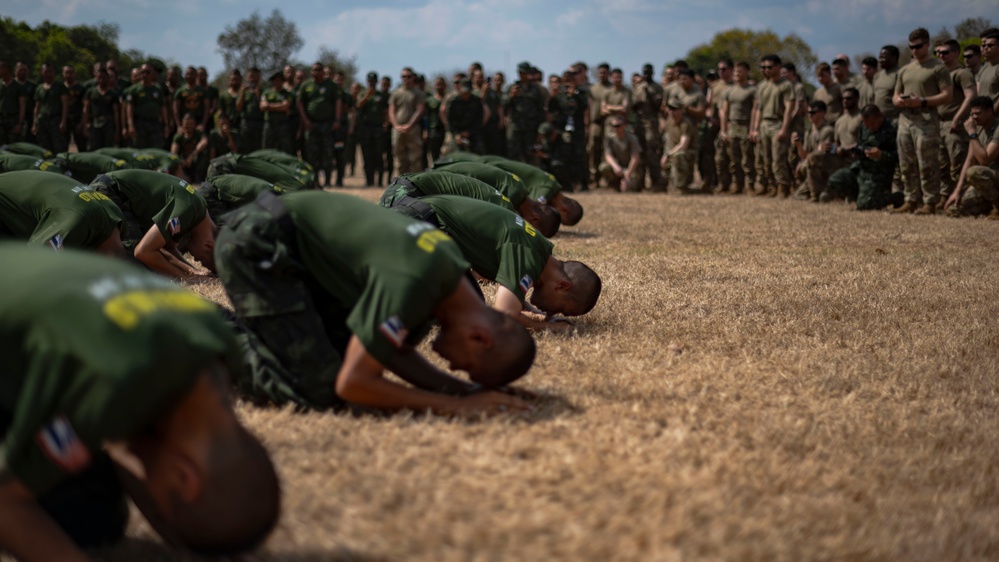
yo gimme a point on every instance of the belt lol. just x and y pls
(275, 207)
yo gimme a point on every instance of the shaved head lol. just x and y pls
(511, 355)
(586, 287)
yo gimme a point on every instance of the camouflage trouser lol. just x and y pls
(519, 145)
(817, 172)
(595, 148)
(148, 134)
(388, 157)
(723, 165)
(634, 182)
(953, 151)
(7, 125)
(48, 134)
(981, 194)
(651, 142)
(681, 170)
(742, 157)
(100, 137)
(775, 161)
(371, 142)
(707, 133)
(409, 150)
(871, 190)
(919, 158)
(290, 352)
(276, 137)
(319, 147)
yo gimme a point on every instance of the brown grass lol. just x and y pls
(761, 380)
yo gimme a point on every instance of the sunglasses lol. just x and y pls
(917, 46)
(406, 76)
(942, 52)
(766, 66)
(813, 112)
(848, 98)
(989, 45)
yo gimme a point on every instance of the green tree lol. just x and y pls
(267, 44)
(748, 45)
(971, 28)
(332, 58)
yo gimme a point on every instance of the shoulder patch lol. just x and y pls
(174, 226)
(394, 330)
(55, 242)
(61, 445)
(526, 283)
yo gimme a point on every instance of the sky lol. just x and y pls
(445, 35)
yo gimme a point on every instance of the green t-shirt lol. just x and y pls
(507, 183)
(289, 176)
(500, 245)
(218, 144)
(55, 210)
(442, 182)
(144, 159)
(922, 80)
(319, 99)
(227, 105)
(251, 107)
(102, 107)
(372, 113)
(541, 185)
(192, 100)
(10, 162)
(26, 149)
(237, 189)
(276, 96)
(76, 92)
(110, 349)
(187, 144)
(169, 203)
(50, 99)
(146, 101)
(384, 273)
(85, 166)
(10, 99)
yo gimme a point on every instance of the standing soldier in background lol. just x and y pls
(568, 109)
(465, 114)
(355, 91)
(388, 156)
(708, 135)
(102, 113)
(490, 134)
(496, 143)
(251, 123)
(372, 108)
(736, 116)
(406, 106)
(524, 106)
(51, 111)
(868, 68)
(772, 125)
(13, 107)
(789, 72)
(436, 130)
(923, 85)
(191, 98)
(145, 112)
(74, 121)
(320, 110)
(275, 105)
(953, 137)
(227, 99)
(648, 101)
(343, 128)
(292, 80)
(211, 93)
(884, 91)
(723, 165)
(21, 76)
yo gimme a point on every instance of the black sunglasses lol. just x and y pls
(917, 46)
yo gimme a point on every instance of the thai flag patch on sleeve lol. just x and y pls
(526, 283)
(174, 226)
(55, 242)
(61, 445)
(394, 330)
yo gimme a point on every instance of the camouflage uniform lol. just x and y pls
(371, 133)
(919, 131)
(648, 99)
(866, 179)
(568, 110)
(953, 143)
(526, 111)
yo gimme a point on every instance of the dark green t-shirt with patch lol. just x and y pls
(319, 99)
(146, 101)
(50, 99)
(102, 107)
(170, 203)
(440, 182)
(85, 166)
(27, 149)
(541, 185)
(145, 158)
(192, 100)
(237, 189)
(507, 183)
(500, 245)
(291, 176)
(108, 350)
(10, 162)
(55, 210)
(384, 273)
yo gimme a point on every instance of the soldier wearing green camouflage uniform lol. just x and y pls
(723, 164)
(681, 139)
(736, 116)
(146, 112)
(524, 107)
(51, 111)
(922, 86)
(57, 211)
(102, 113)
(977, 189)
(108, 354)
(648, 100)
(276, 104)
(868, 179)
(595, 132)
(320, 110)
(330, 291)
(13, 106)
(816, 153)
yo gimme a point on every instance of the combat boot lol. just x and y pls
(926, 209)
(906, 207)
(784, 191)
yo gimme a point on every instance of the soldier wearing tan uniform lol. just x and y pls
(953, 137)
(772, 126)
(736, 116)
(405, 109)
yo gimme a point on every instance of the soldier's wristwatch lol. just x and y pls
(973, 136)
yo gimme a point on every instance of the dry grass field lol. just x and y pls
(761, 380)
